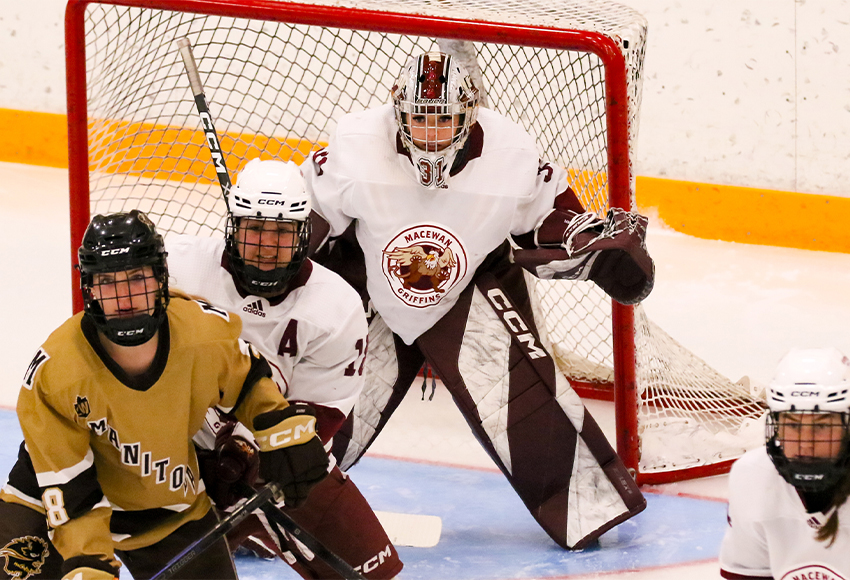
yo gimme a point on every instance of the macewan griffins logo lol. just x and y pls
(812, 572)
(422, 263)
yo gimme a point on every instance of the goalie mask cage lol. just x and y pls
(279, 74)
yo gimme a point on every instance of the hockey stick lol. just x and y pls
(210, 134)
(278, 518)
(415, 530)
(272, 513)
(403, 529)
(265, 496)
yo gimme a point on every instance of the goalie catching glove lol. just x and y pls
(580, 246)
(290, 452)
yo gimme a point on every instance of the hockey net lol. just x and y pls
(278, 76)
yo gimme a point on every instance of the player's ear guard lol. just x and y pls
(290, 452)
(581, 246)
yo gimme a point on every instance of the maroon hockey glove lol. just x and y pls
(610, 252)
(290, 452)
(233, 460)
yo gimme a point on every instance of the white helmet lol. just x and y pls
(435, 83)
(807, 383)
(813, 379)
(268, 191)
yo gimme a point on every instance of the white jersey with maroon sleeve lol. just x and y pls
(422, 246)
(770, 535)
(314, 338)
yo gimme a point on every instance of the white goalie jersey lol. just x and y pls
(422, 246)
(770, 535)
(314, 338)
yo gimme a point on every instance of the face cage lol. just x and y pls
(128, 331)
(808, 474)
(465, 110)
(270, 282)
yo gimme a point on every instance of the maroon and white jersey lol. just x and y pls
(314, 337)
(422, 246)
(771, 535)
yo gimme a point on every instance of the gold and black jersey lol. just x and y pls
(91, 428)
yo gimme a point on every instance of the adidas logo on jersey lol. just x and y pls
(255, 308)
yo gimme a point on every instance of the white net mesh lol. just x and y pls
(277, 89)
(688, 413)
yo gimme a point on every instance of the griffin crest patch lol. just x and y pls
(813, 571)
(24, 556)
(82, 407)
(422, 263)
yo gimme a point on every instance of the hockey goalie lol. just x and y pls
(431, 207)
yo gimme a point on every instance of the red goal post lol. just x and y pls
(278, 75)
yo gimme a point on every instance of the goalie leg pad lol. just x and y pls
(390, 368)
(489, 355)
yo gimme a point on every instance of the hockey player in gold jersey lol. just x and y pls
(109, 406)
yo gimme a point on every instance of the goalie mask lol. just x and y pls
(124, 277)
(268, 227)
(807, 427)
(436, 105)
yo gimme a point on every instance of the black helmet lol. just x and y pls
(115, 243)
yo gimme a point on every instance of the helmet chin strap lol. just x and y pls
(133, 331)
(266, 282)
(814, 475)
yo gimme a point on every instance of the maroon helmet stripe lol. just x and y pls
(432, 79)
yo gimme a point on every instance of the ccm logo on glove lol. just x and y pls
(290, 452)
(295, 430)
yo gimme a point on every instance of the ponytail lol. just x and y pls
(829, 531)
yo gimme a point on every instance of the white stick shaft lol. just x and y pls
(191, 66)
